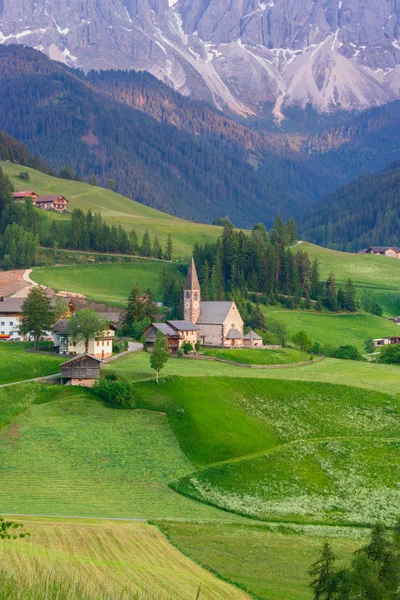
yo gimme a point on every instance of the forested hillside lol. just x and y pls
(15, 151)
(362, 213)
(183, 157)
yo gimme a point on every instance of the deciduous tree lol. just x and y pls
(37, 315)
(160, 354)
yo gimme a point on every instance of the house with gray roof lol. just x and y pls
(176, 332)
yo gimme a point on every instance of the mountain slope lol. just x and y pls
(362, 213)
(228, 170)
(334, 54)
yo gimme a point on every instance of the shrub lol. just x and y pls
(316, 348)
(348, 352)
(390, 355)
(187, 347)
(269, 338)
(329, 350)
(114, 392)
(302, 340)
(24, 175)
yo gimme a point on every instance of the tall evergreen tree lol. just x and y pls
(323, 575)
(145, 249)
(169, 248)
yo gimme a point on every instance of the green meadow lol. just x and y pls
(254, 356)
(116, 209)
(18, 364)
(111, 282)
(331, 328)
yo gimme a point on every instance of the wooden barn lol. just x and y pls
(81, 370)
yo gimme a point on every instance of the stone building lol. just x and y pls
(219, 323)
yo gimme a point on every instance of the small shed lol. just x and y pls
(252, 340)
(81, 370)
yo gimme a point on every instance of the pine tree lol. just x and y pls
(315, 280)
(291, 231)
(145, 249)
(169, 248)
(133, 239)
(205, 280)
(157, 250)
(350, 297)
(331, 295)
(135, 310)
(324, 575)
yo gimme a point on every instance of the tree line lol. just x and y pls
(264, 267)
(90, 232)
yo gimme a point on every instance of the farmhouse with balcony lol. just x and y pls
(392, 251)
(100, 347)
(386, 341)
(55, 203)
(176, 332)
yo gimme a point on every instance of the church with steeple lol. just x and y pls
(218, 323)
(209, 323)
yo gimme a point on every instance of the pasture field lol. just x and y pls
(269, 562)
(116, 210)
(73, 456)
(254, 356)
(110, 283)
(110, 561)
(371, 376)
(335, 329)
(17, 364)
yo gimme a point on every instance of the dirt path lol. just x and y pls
(12, 283)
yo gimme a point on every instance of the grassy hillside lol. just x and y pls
(114, 561)
(271, 562)
(17, 364)
(111, 283)
(73, 456)
(370, 376)
(117, 209)
(254, 356)
(329, 328)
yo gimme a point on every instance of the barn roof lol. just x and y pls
(79, 357)
(214, 313)
(24, 194)
(165, 329)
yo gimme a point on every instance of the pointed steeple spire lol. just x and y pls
(192, 281)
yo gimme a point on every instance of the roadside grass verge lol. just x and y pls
(17, 364)
(103, 560)
(346, 482)
(258, 356)
(110, 283)
(268, 561)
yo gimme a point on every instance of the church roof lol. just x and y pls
(192, 281)
(234, 334)
(213, 313)
(252, 335)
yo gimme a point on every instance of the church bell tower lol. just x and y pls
(191, 295)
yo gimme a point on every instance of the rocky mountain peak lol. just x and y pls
(334, 54)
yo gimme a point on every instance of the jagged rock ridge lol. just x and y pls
(334, 54)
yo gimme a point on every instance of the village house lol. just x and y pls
(386, 341)
(392, 251)
(21, 196)
(82, 370)
(55, 203)
(100, 347)
(11, 314)
(177, 333)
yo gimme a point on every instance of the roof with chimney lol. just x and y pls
(192, 281)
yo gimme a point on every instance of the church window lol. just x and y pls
(188, 294)
(196, 296)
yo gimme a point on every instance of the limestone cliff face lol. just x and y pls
(335, 54)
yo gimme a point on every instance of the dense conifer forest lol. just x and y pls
(362, 213)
